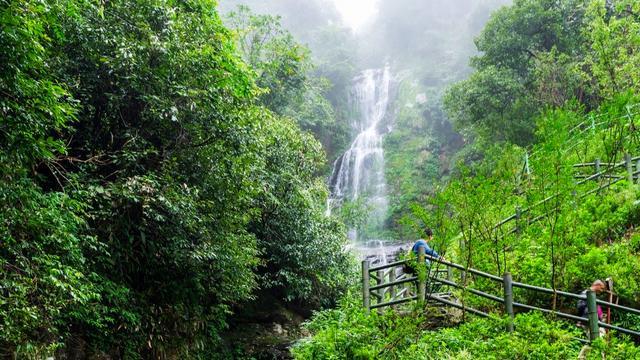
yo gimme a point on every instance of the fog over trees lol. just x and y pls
(406, 32)
(427, 44)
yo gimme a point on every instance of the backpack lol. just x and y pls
(407, 267)
(581, 305)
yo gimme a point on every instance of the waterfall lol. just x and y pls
(359, 172)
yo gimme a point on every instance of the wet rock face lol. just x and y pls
(266, 329)
(278, 330)
(277, 352)
(266, 340)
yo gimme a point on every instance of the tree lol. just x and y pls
(613, 58)
(43, 272)
(300, 246)
(139, 173)
(501, 99)
(492, 102)
(283, 68)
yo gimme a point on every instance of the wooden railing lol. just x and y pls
(608, 171)
(399, 289)
(589, 124)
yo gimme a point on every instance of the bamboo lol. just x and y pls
(366, 299)
(422, 278)
(592, 309)
(379, 286)
(392, 279)
(629, 165)
(508, 299)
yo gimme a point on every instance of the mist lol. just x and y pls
(426, 47)
(405, 33)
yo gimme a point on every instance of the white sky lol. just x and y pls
(357, 13)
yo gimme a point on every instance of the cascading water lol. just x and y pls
(359, 172)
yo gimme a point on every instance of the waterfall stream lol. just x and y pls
(359, 173)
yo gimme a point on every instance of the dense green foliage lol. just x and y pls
(430, 43)
(536, 54)
(159, 170)
(582, 236)
(309, 87)
(145, 186)
(283, 68)
(349, 333)
(418, 151)
(569, 232)
(554, 85)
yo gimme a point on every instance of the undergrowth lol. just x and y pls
(348, 332)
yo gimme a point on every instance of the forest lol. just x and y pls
(194, 179)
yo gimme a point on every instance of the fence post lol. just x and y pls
(379, 281)
(462, 251)
(508, 299)
(408, 289)
(392, 278)
(597, 162)
(592, 309)
(366, 297)
(422, 275)
(518, 215)
(627, 161)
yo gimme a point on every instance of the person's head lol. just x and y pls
(598, 286)
(428, 233)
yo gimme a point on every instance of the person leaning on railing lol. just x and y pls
(427, 249)
(425, 243)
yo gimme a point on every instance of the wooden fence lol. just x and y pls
(628, 169)
(397, 290)
(589, 124)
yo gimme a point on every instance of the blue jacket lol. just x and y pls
(427, 249)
